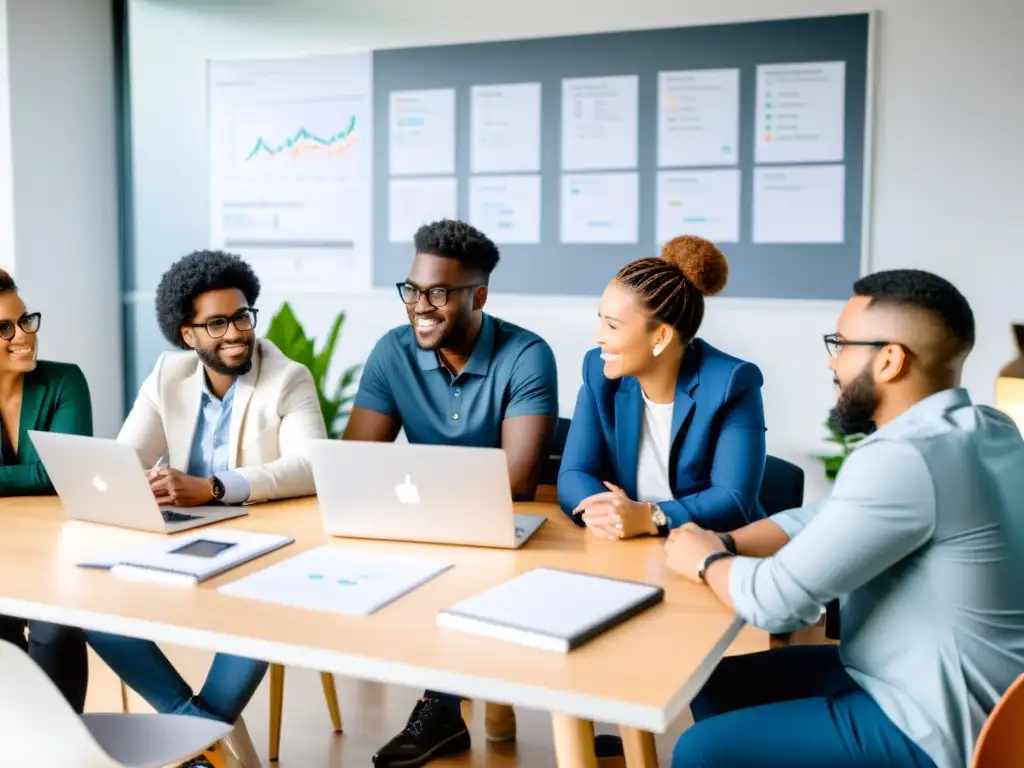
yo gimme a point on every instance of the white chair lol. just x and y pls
(37, 727)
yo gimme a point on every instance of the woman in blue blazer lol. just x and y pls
(667, 429)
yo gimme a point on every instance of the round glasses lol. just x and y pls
(218, 326)
(28, 323)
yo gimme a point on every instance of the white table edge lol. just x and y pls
(587, 707)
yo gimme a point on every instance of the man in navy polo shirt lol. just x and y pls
(456, 376)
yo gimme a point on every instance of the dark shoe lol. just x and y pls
(433, 730)
(607, 745)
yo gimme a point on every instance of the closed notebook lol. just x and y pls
(551, 609)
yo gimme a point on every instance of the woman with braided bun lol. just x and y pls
(667, 429)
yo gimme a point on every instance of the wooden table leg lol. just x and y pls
(638, 747)
(574, 742)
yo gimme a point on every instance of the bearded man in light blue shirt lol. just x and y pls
(922, 540)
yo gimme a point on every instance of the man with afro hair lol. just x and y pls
(226, 420)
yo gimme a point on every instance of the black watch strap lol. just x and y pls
(728, 542)
(218, 488)
(713, 557)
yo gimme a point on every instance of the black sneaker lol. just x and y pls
(433, 730)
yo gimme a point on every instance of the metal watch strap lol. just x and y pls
(712, 557)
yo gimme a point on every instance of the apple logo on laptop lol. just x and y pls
(99, 485)
(406, 492)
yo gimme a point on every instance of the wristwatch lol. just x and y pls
(659, 519)
(218, 488)
(712, 557)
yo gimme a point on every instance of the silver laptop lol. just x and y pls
(103, 481)
(434, 493)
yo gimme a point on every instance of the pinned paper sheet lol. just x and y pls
(337, 580)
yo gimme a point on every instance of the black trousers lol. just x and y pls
(59, 651)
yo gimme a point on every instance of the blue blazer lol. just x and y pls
(718, 439)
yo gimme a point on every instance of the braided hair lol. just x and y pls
(672, 288)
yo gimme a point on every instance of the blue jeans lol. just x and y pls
(794, 707)
(229, 685)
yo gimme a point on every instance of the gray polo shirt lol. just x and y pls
(922, 540)
(511, 372)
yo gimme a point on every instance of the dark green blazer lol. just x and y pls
(55, 399)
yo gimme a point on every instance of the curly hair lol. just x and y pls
(924, 291)
(458, 240)
(672, 288)
(190, 277)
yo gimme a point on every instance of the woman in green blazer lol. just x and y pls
(51, 397)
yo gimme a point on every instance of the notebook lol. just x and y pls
(190, 559)
(551, 609)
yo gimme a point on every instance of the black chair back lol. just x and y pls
(782, 487)
(549, 472)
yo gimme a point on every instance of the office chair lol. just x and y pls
(549, 472)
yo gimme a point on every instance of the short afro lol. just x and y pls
(924, 291)
(458, 240)
(190, 277)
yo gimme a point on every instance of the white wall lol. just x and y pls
(60, 64)
(948, 169)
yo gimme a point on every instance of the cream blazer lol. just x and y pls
(275, 413)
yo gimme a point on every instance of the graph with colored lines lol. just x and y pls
(291, 151)
(306, 142)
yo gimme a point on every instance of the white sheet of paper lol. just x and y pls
(415, 202)
(600, 208)
(799, 204)
(291, 169)
(504, 128)
(422, 132)
(337, 580)
(599, 122)
(702, 203)
(506, 208)
(698, 117)
(800, 113)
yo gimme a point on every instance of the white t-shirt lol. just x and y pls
(652, 472)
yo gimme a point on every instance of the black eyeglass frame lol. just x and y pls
(250, 312)
(835, 340)
(27, 319)
(438, 291)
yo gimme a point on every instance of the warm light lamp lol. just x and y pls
(1010, 384)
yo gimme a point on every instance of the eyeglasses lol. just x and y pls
(218, 326)
(28, 323)
(437, 297)
(834, 344)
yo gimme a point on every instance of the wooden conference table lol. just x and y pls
(639, 676)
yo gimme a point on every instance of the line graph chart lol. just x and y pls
(291, 164)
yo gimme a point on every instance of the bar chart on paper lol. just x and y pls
(291, 167)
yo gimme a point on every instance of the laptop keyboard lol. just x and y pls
(176, 517)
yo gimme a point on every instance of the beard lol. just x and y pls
(211, 360)
(855, 407)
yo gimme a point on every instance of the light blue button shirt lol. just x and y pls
(922, 540)
(211, 445)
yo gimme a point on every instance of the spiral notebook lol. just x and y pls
(551, 609)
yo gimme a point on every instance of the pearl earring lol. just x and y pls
(657, 351)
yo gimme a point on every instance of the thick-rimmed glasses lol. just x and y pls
(28, 323)
(218, 326)
(436, 297)
(834, 343)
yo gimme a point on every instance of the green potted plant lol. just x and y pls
(287, 334)
(846, 443)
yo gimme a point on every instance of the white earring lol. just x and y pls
(657, 351)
